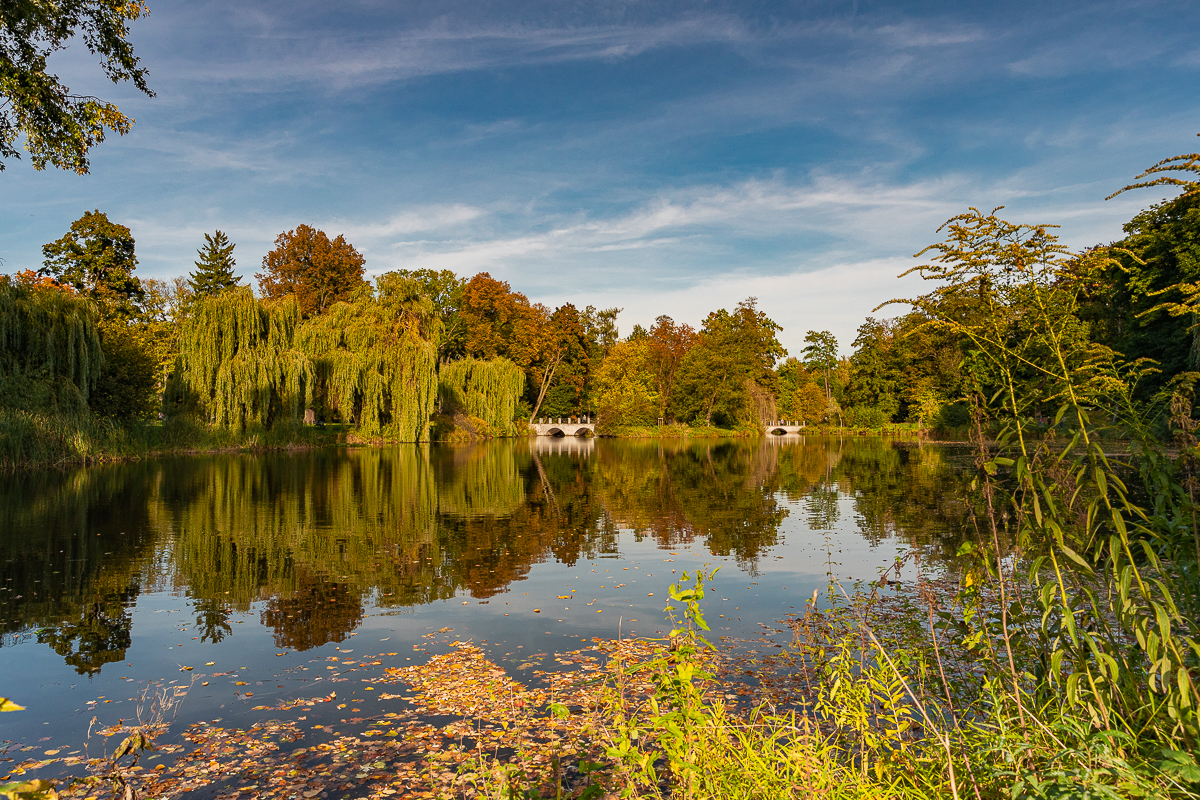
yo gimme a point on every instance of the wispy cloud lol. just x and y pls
(363, 57)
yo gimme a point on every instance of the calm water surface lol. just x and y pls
(116, 577)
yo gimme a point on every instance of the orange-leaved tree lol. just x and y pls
(317, 270)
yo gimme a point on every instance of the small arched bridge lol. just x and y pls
(563, 426)
(782, 426)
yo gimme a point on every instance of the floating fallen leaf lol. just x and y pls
(186, 669)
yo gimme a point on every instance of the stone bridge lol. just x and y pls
(563, 426)
(782, 426)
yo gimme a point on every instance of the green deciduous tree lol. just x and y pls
(1144, 303)
(800, 397)
(50, 354)
(820, 354)
(875, 377)
(127, 388)
(376, 357)
(238, 355)
(625, 391)
(317, 270)
(487, 390)
(97, 258)
(732, 348)
(214, 271)
(60, 127)
(445, 290)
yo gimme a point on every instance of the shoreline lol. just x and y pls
(58, 445)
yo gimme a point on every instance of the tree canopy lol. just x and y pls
(60, 127)
(97, 258)
(733, 350)
(317, 270)
(376, 357)
(50, 355)
(237, 354)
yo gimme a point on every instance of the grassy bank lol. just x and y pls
(33, 441)
(680, 431)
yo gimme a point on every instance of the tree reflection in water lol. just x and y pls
(315, 537)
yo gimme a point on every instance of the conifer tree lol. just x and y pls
(214, 270)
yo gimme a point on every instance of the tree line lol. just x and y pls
(84, 335)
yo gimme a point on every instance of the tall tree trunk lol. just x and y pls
(546, 379)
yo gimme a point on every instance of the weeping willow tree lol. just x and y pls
(50, 355)
(238, 355)
(376, 357)
(488, 390)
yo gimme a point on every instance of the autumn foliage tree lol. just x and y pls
(500, 322)
(625, 386)
(668, 344)
(317, 270)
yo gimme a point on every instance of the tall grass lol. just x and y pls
(31, 440)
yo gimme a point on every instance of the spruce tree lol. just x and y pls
(214, 270)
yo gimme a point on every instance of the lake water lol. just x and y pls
(257, 570)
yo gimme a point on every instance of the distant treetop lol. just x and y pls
(214, 271)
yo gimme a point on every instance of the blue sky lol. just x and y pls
(666, 158)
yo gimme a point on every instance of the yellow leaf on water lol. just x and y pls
(9, 705)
